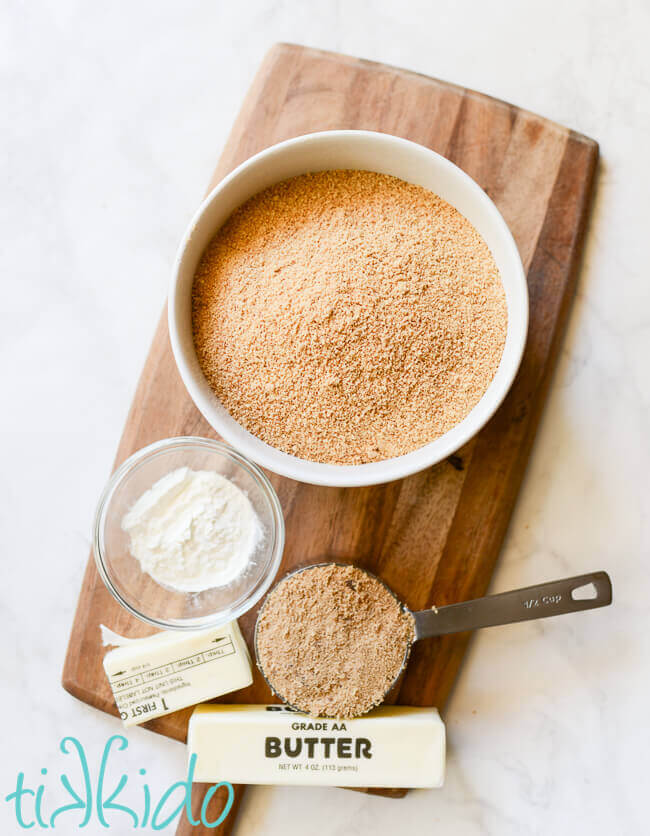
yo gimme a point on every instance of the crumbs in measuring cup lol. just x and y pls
(332, 639)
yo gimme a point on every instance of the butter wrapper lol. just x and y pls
(154, 676)
(392, 746)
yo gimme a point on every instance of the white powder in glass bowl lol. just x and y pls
(193, 530)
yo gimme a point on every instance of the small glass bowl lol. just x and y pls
(137, 591)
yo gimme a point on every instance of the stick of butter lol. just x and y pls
(171, 670)
(392, 746)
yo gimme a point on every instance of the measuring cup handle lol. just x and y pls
(541, 601)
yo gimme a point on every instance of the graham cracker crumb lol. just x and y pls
(332, 639)
(348, 316)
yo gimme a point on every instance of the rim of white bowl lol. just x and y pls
(387, 470)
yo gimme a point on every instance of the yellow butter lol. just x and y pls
(172, 670)
(393, 746)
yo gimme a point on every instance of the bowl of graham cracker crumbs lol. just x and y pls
(348, 308)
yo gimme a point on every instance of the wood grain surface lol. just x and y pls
(434, 537)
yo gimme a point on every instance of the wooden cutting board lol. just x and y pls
(435, 536)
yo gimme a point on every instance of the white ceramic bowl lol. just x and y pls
(354, 150)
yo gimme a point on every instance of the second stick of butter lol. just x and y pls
(393, 746)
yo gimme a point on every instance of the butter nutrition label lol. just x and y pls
(169, 671)
(392, 746)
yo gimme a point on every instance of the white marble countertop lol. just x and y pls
(113, 116)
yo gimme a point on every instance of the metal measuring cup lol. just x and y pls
(528, 604)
